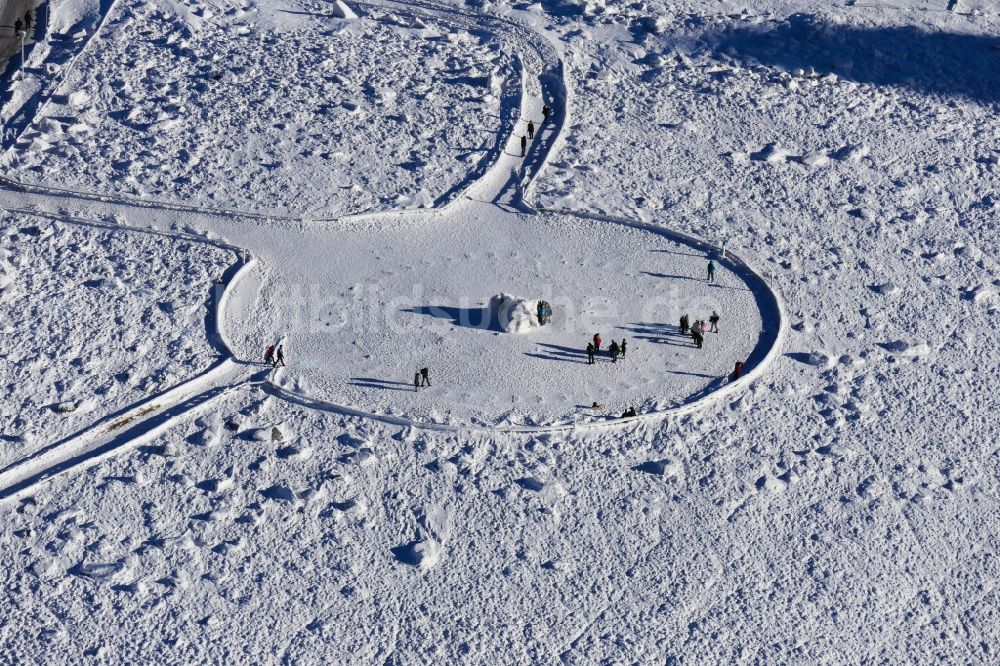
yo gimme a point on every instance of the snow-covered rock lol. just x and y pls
(514, 315)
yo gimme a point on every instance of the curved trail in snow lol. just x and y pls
(541, 81)
(502, 181)
(140, 422)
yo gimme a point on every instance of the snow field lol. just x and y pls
(93, 320)
(841, 509)
(329, 500)
(866, 454)
(398, 296)
(247, 109)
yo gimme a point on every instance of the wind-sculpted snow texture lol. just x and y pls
(271, 108)
(92, 320)
(853, 153)
(841, 508)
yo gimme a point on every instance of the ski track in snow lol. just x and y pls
(505, 180)
(842, 511)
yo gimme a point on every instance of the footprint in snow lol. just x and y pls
(530, 483)
(665, 468)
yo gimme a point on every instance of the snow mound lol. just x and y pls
(421, 199)
(817, 359)
(342, 11)
(816, 158)
(772, 484)
(886, 289)
(98, 571)
(423, 553)
(980, 294)
(771, 154)
(851, 153)
(514, 315)
(79, 99)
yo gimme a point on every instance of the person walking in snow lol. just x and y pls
(684, 324)
(425, 377)
(531, 130)
(269, 356)
(711, 271)
(279, 357)
(17, 26)
(597, 343)
(614, 350)
(524, 145)
(698, 338)
(416, 381)
(737, 371)
(545, 113)
(590, 353)
(27, 20)
(714, 320)
(702, 327)
(624, 342)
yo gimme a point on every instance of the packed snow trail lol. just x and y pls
(139, 422)
(542, 81)
(503, 182)
(125, 430)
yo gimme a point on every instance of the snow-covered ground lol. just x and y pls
(396, 297)
(840, 508)
(277, 107)
(94, 318)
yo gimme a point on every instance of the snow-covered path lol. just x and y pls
(503, 183)
(836, 505)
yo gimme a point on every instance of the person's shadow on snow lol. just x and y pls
(560, 353)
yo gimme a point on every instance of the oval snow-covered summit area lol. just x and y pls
(361, 316)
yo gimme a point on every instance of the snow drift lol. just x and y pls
(514, 315)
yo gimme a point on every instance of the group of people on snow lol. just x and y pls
(275, 356)
(698, 329)
(25, 25)
(546, 111)
(421, 377)
(614, 349)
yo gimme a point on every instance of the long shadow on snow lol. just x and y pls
(480, 318)
(945, 64)
(383, 384)
(661, 334)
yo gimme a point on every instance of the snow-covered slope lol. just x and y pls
(275, 108)
(93, 319)
(839, 508)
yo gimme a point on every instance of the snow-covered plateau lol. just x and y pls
(380, 186)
